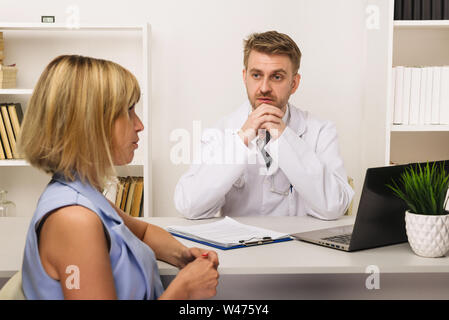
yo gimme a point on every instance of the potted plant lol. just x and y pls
(424, 189)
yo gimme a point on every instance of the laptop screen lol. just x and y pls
(381, 215)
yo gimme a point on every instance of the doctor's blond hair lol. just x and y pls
(68, 124)
(272, 42)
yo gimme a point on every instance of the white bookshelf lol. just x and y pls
(31, 47)
(421, 24)
(417, 43)
(13, 163)
(420, 128)
(16, 91)
(399, 43)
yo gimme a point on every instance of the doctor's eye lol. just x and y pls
(277, 77)
(256, 75)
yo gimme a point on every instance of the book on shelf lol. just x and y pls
(416, 8)
(126, 183)
(129, 195)
(393, 88)
(407, 9)
(406, 95)
(426, 10)
(436, 95)
(421, 9)
(2, 151)
(398, 94)
(4, 139)
(8, 75)
(16, 115)
(415, 88)
(398, 9)
(422, 96)
(9, 130)
(429, 83)
(444, 95)
(445, 9)
(136, 208)
(129, 198)
(437, 10)
(118, 198)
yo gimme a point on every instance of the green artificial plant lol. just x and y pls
(423, 188)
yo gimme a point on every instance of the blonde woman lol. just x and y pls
(79, 123)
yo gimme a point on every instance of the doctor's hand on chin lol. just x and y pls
(266, 117)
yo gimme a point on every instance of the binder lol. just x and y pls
(426, 10)
(398, 95)
(415, 89)
(444, 95)
(227, 234)
(435, 114)
(406, 95)
(422, 96)
(407, 10)
(437, 10)
(417, 10)
(397, 9)
(445, 9)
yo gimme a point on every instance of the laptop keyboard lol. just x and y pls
(344, 238)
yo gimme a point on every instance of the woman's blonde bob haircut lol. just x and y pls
(68, 124)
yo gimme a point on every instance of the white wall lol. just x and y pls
(197, 64)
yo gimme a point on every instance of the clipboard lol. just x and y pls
(243, 245)
(227, 233)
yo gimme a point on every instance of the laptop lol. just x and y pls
(380, 219)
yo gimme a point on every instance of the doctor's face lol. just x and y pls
(269, 79)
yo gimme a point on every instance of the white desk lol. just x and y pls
(289, 270)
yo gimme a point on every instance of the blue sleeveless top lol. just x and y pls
(134, 267)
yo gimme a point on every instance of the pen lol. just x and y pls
(252, 243)
(261, 241)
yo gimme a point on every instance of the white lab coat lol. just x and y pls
(307, 172)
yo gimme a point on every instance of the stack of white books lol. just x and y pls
(420, 95)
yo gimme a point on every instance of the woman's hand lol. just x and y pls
(190, 254)
(198, 277)
(197, 280)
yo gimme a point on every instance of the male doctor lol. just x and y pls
(285, 161)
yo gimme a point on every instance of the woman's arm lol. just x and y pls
(73, 250)
(165, 246)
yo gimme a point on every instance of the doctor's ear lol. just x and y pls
(244, 74)
(295, 83)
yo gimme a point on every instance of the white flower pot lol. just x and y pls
(428, 235)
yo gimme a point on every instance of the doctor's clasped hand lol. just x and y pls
(265, 117)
